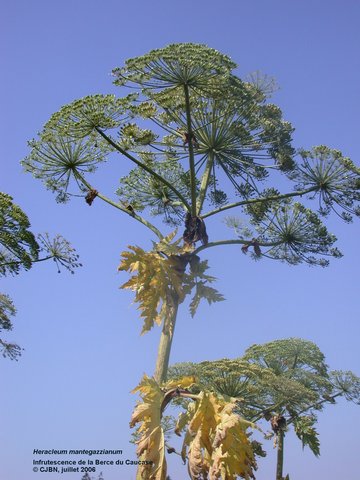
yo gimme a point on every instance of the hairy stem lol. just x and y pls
(167, 334)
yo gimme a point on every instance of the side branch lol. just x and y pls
(19, 262)
(205, 182)
(145, 167)
(132, 213)
(234, 242)
(315, 406)
(291, 419)
(299, 193)
(174, 393)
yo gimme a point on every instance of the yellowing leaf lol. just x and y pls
(148, 413)
(200, 428)
(184, 382)
(216, 443)
(166, 246)
(154, 279)
(232, 455)
(183, 420)
(161, 275)
(151, 446)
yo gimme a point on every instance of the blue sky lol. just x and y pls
(83, 353)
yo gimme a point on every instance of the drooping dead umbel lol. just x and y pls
(90, 196)
(195, 230)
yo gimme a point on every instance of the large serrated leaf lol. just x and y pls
(148, 413)
(153, 280)
(208, 293)
(216, 443)
(304, 429)
(151, 445)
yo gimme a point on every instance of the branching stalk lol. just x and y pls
(132, 214)
(205, 182)
(299, 193)
(191, 151)
(19, 262)
(234, 242)
(315, 406)
(144, 167)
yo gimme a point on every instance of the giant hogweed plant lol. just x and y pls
(283, 384)
(199, 141)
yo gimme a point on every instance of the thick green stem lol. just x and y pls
(298, 193)
(167, 334)
(191, 150)
(280, 456)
